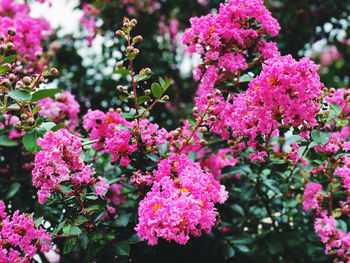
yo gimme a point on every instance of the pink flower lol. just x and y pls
(310, 196)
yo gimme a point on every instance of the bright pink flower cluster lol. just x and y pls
(329, 54)
(20, 239)
(310, 196)
(29, 31)
(224, 39)
(63, 108)
(285, 93)
(102, 125)
(133, 7)
(11, 120)
(89, 21)
(58, 159)
(180, 203)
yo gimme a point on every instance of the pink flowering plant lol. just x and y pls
(252, 165)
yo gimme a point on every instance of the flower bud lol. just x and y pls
(147, 71)
(3, 48)
(148, 92)
(38, 54)
(216, 101)
(5, 82)
(217, 92)
(176, 135)
(210, 110)
(332, 90)
(24, 117)
(203, 142)
(203, 129)
(11, 31)
(10, 46)
(136, 51)
(54, 72)
(31, 121)
(120, 33)
(27, 80)
(18, 126)
(209, 96)
(133, 22)
(165, 98)
(12, 77)
(119, 64)
(120, 88)
(130, 49)
(212, 118)
(195, 110)
(137, 39)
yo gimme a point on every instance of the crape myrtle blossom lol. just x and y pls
(20, 239)
(224, 40)
(29, 32)
(63, 108)
(88, 20)
(310, 196)
(58, 161)
(180, 203)
(286, 92)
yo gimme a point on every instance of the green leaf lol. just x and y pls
(142, 99)
(57, 127)
(152, 157)
(156, 90)
(230, 252)
(122, 71)
(139, 78)
(58, 228)
(245, 78)
(38, 221)
(123, 220)
(166, 85)
(161, 81)
(242, 248)
(273, 185)
(75, 230)
(44, 93)
(20, 95)
(30, 139)
(133, 239)
(319, 137)
(336, 108)
(66, 229)
(237, 208)
(3, 70)
(192, 121)
(13, 190)
(92, 208)
(68, 245)
(9, 59)
(6, 141)
(122, 248)
(48, 125)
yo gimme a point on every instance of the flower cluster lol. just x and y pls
(20, 239)
(57, 160)
(224, 39)
(180, 203)
(63, 107)
(89, 21)
(285, 93)
(147, 6)
(26, 32)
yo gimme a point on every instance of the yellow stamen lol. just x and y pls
(184, 190)
(156, 207)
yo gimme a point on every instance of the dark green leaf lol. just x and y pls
(122, 248)
(44, 93)
(122, 71)
(6, 141)
(3, 70)
(68, 245)
(320, 137)
(142, 99)
(13, 190)
(156, 90)
(9, 59)
(20, 95)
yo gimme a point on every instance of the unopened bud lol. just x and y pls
(216, 101)
(119, 64)
(126, 24)
(165, 98)
(18, 126)
(130, 49)
(147, 71)
(10, 46)
(203, 142)
(195, 110)
(24, 117)
(212, 118)
(120, 33)
(27, 80)
(176, 135)
(148, 92)
(325, 89)
(203, 129)
(31, 121)
(332, 90)
(217, 92)
(11, 31)
(137, 39)
(136, 51)
(133, 22)
(230, 142)
(38, 54)
(210, 110)
(209, 96)
(5, 82)
(54, 72)
(119, 110)
(120, 88)
(12, 77)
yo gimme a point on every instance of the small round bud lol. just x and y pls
(216, 101)
(148, 92)
(137, 39)
(217, 92)
(230, 142)
(130, 49)
(133, 22)
(136, 51)
(119, 64)
(212, 118)
(195, 110)
(31, 121)
(5, 82)
(126, 24)
(110, 110)
(325, 89)
(147, 71)
(38, 54)
(12, 77)
(165, 98)
(209, 96)
(176, 135)
(27, 80)
(332, 90)
(203, 129)
(20, 83)
(10, 46)
(210, 110)
(11, 31)
(18, 126)
(119, 110)
(120, 88)
(203, 142)
(120, 33)
(24, 117)
(54, 72)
